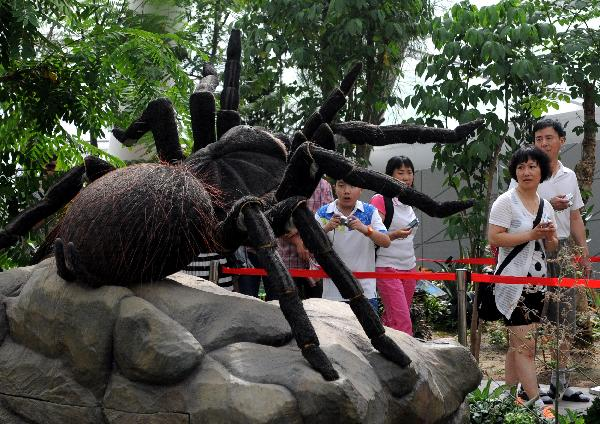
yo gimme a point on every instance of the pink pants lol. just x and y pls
(397, 295)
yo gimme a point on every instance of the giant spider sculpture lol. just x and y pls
(238, 187)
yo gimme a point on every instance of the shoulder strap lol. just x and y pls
(389, 211)
(521, 246)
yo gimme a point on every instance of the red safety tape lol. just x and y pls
(317, 273)
(481, 261)
(437, 276)
(538, 281)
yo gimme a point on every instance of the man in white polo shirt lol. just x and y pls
(562, 191)
(354, 228)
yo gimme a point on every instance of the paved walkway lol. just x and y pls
(562, 405)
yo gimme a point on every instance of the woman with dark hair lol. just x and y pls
(397, 293)
(520, 220)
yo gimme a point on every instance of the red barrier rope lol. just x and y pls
(479, 261)
(446, 276)
(317, 273)
(537, 281)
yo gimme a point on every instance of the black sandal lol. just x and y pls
(571, 395)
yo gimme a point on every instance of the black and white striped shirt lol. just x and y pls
(200, 267)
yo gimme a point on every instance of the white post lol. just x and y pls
(213, 272)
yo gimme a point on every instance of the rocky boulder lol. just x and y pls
(182, 350)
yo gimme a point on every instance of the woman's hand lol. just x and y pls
(545, 231)
(402, 233)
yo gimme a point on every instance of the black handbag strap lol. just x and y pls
(521, 246)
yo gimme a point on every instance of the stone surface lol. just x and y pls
(3, 321)
(149, 346)
(208, 313)
(39, 377)
(38, 411)
(120, 417)
(185, 351)
(60, 319)
(12, 280)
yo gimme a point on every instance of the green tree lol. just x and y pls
(320, 40)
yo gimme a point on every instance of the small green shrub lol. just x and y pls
(520, 417)
(489, 406)
(497, 334)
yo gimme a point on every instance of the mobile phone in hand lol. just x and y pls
(412, 224)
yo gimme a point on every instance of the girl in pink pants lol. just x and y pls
(397, 293)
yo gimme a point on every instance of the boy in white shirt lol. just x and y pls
(354, 228)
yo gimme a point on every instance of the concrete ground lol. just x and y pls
(562, 405)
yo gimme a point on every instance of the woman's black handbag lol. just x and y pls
(486, 301)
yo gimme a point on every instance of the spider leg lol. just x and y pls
(62, 269)
(247, 217)
(357, 132)
(58, 195)
(228, 116)
(334, 102)
(96, 168)
(203, 109)
(158, 117)
(310, 162)
(319, 245)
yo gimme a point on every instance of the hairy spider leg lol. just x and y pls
(203, 112)
(310, 162)
(357, 132)
(325, 113)
(260, 236)
(58, 195)
(228, 115)
(158, 117)
(319, 245)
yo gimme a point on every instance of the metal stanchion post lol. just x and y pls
(213, 272)
(461, 287)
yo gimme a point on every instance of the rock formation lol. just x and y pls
(182, 350)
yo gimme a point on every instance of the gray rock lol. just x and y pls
(114, 355)
(210, 395)
(149, 346)
(120, 417)
(209, 315)
(12, 280)
(60, 319)
(3, 321)
(39, 377)
(38, 411)
(7, 417)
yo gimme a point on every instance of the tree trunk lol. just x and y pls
(586, 166)
(584, 171)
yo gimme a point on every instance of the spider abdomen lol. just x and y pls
(137, 224)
